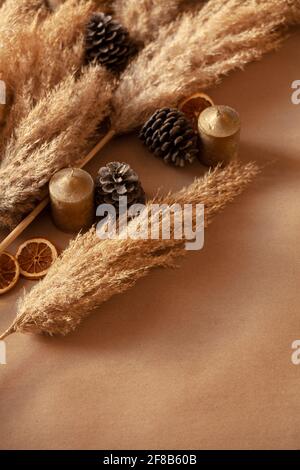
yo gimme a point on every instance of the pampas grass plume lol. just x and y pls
(91, 271)
(145, 18)
(196, 52)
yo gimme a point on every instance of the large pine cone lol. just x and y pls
(170, 136)
(107, 42)
(116, 180)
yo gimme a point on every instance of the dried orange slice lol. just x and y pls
(35, 257)
(193, 106)
(9, 272)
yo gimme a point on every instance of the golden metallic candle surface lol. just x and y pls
(72, 199)
(219, 129)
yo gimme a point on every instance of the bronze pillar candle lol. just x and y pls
(219, 130)
(72, 199)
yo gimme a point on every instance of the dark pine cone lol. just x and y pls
(107, 42)
(116, 180)
(170, 136)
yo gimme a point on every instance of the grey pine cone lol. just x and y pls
(115, 180)
(170, 136)
(107, 42)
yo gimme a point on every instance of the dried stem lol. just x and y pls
(11, 330)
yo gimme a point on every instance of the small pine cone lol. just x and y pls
(170, 136)
(107, 42)
(116, 180)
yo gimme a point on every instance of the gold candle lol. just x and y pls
(219, 129)
(72, 199)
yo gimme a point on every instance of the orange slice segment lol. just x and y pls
(9, 272)
(35, 257)
(193, 106)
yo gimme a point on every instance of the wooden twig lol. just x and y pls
(41, 206)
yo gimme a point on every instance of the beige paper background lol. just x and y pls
(198, 357)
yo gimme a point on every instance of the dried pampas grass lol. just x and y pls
(105, 5)
(91, 271)
(54, 4)
(55, 134)
(44, 53)
(145, 18)
(40, 114)
(295, 13)
(41, 56)
(14, 14)
(61, 41)
(196, 52)
(16, 17)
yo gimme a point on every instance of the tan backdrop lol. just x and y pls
(198, 357)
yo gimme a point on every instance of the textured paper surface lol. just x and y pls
(198, 357)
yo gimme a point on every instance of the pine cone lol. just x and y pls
(116, 180)
(107, 42)
(170, 136)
